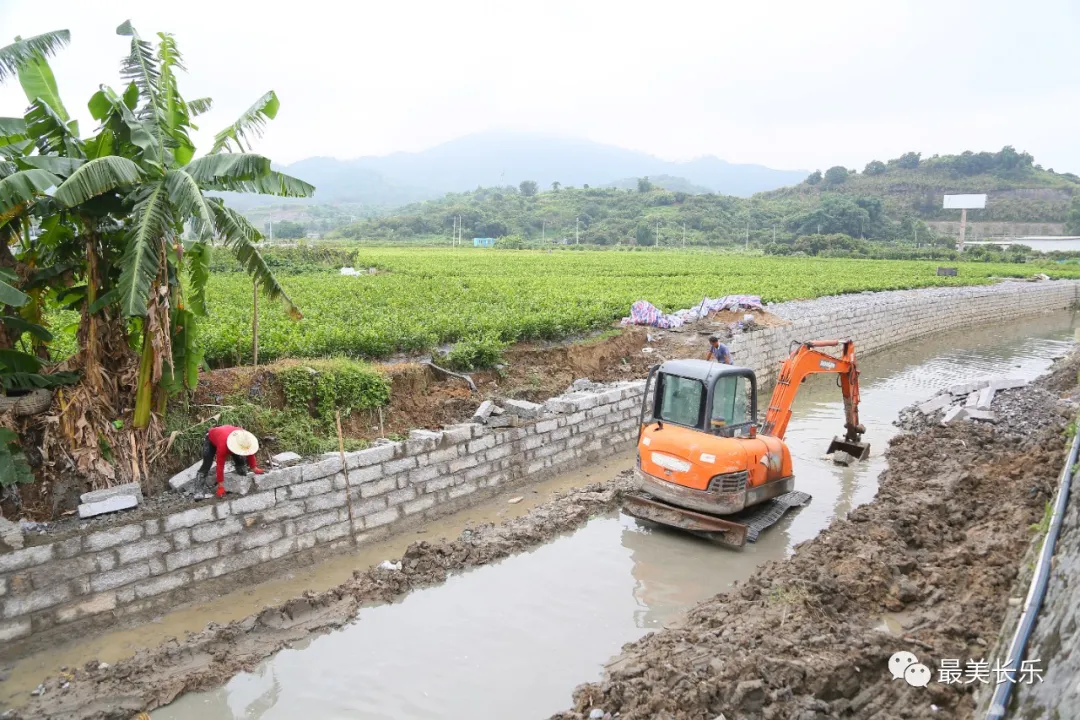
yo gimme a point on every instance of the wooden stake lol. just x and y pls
(255, 322)
(345, 470)
(382, 433)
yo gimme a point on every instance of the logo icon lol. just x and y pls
(917, 675)
(900, 662)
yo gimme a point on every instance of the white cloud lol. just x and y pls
(787, 84)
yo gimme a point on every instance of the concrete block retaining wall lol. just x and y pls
(100, 576)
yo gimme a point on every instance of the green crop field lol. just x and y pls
(424, 297)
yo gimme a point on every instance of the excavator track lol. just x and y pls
(767, 514)
(730, 530)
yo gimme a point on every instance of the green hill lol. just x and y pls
(886, 201)
(1018, 190)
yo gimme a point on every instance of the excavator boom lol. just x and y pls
(810, 360)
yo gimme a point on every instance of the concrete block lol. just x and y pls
(373, 455)
(191, 556)
(113, 537)
(483, 412)
(464, 463)
(397, 466)
(980, 415)
(285, 459)
(1008, 383)
(460, 433)
(184, 480)
(262, 537)
(456, 492)
(216, 530)
(954, 414)
(546, 426)
(282, 510)
(325, 501)
(439, 484)
(14, 630)
(424, 474)
(238, 484)
(97, 604)
(399, 496)
(479, 471)
(378, 487)
(384, 517)
(310, 523)
(238, 562)
(523, 408)
(283, 547)
(443, 455)
(332, 532)
(163, 584)
(99, 495)
(422, 441)
(938, 402)
(256, 502)
(559, 405)
(972, 399)
(967, 388)
(143, 550)
(986, 398)
(314, 487)
(481, 443)
(322, 469)
(279, 478)
(189, 518)
(109, 505)
(361, 508)
(418, 505)
(121, 576)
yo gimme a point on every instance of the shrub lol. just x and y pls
(321, 387)
(476, 353)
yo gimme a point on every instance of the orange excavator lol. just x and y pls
(704, 466)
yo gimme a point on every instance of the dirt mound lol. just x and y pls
(937, 551)
(210, 658)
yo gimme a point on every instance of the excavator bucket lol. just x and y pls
(857, 450)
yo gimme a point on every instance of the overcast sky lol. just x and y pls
(788, 84)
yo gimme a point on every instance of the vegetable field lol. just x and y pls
(422, 298)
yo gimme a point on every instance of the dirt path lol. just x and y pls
(936, 552)
(207, 659)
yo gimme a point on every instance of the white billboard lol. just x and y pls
(965, 202)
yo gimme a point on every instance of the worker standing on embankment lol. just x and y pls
(223, 441)
(718, 351)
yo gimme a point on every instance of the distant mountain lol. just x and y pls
(500, 159)
(674, 184)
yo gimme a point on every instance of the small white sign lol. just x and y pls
(965, 202)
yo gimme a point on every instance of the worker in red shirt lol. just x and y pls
(223, 441)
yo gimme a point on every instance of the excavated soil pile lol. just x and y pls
(207, 659)
(938, 549)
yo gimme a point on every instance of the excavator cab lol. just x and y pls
(714, 398)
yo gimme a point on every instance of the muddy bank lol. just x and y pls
(210, 658)
(927, 567)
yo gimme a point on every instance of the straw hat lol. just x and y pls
(241, 442)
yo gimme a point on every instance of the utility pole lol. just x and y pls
(453, 238)
(657, 233)
(270, 219)
(577, 230)
(774, 234)
(747, 247)
(684, 234)
(543, 232)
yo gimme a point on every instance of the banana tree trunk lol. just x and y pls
(144, 393)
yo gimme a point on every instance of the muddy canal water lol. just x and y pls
(513, 639)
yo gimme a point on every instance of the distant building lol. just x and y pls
(483, 242)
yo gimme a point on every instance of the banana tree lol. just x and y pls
(143, 153)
